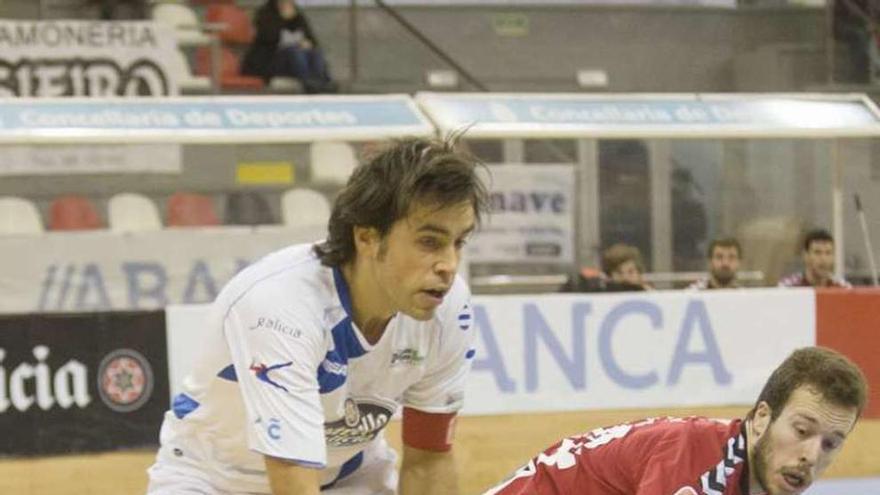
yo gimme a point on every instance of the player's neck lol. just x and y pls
(815, 280)
(715, 284)
(370, 312)
(755, 487)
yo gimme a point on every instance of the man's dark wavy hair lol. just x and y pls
(404, 173)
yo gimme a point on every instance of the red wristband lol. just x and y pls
(428, 431)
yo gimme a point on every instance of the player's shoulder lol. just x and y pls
(289, 281)
(683, 431)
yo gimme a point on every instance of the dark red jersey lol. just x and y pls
(656, 456)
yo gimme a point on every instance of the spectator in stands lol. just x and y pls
(286, 46)
(623, 265)
(818, 258)
(723, 259)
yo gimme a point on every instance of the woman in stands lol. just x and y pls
(286, 46)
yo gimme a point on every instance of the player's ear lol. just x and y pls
(366, 240)
(761, 419)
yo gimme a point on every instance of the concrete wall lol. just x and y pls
(648, 49)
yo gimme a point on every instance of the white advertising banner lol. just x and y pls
(87, 58)
(92, 159)
(565, 352)
(532, 217)
(103, 271)
(635, 350)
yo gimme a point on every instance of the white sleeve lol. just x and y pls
(441, 389)
(276, 354)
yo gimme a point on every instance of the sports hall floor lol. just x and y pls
(488, 448)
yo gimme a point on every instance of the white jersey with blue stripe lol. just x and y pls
(283, 371)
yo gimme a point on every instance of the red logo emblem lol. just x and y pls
(125, 380)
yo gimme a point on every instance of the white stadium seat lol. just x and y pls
(132, 212)
(19, 216)
(304, 208)
(187, 28)
(186, 81)
(331, 162)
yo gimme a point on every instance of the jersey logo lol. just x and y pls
(262, 373)
(361, 422)
(464, 318)
(407, 356)
(714, 481)
(686, 491)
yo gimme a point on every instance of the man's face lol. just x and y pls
(415, 264)
(797, 447)
(286, 8)
(627, 272)
(819, 259)
(724, 264)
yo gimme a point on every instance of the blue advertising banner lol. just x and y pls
(545, 114)
(205, 119)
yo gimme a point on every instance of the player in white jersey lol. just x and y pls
(309, 352)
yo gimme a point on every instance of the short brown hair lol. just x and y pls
(724, 242)
(619, 254)
(817, 235)
(384, 189)
(829, 373)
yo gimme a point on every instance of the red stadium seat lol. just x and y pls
(73, 213)
(238, 30)
(191, 210)
(230, 71)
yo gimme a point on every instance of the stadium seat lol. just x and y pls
(131, 212)
(237, 25)
(73, 212)
(19, 216)
(304, 208)
(230, 71)
(186, 81)
(191, 210)
(187, 28)
(248, 208)
(331, 162)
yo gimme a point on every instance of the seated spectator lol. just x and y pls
(286, 46)
(623, 266)
(818, 258)
(723, 259)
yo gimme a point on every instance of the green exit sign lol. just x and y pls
(511, 25)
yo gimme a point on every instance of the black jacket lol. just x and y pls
(258, 60)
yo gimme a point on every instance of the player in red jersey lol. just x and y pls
(803, 415)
